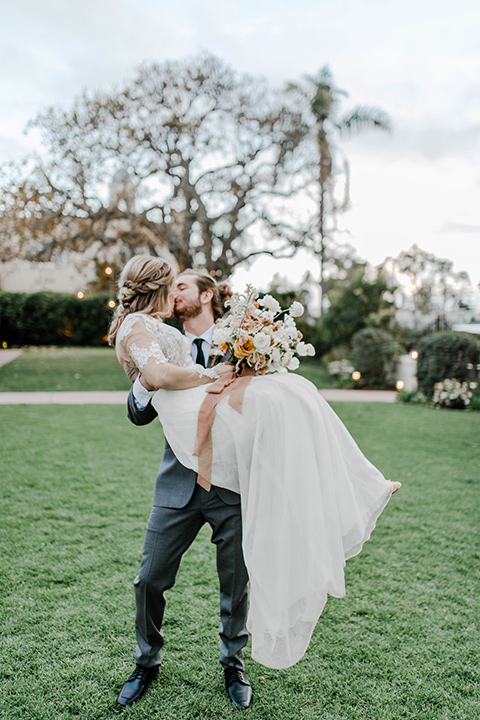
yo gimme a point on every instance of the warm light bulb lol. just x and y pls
(356, 375)
(111, 303)
(80, 295)
(399, 384)
(108, 271)
(414, 354)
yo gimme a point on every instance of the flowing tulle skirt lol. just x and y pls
(310, 499)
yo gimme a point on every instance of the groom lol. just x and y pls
(180, 508)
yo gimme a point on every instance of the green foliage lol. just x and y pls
(351, 306)
(374, 353)
(412, 397)
(47, 318)
(447, 355)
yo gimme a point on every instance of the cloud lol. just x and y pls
(456, 227)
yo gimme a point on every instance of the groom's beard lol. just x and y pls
(187, 311)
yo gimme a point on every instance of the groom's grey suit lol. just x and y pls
(180, 508)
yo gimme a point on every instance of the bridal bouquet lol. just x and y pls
(259, 334)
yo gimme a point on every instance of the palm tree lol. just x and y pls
(322, 98)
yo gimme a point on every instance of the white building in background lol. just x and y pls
(73, 272)
(63, 276)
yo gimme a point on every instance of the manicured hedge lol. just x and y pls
(374, 354)
(447, 355)
(47, 318)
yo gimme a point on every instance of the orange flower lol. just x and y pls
(243, 347)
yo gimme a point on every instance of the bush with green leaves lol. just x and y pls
(447, 355)
(47, 318)
(374, 354)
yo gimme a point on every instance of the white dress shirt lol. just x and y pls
(142, 396)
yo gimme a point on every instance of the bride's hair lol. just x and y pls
(221, 292)
(144, 286)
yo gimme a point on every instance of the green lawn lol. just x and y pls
(63, 369)
(76, 487)
(68, 369)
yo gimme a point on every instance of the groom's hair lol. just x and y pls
(221, 291)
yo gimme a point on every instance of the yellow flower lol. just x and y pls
(243, 347)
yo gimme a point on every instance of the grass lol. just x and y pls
(76, 488)
(65, 369)
(72, 369)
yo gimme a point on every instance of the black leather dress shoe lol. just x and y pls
(136, 684)
(238, 687)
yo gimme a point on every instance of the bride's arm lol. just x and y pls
(139, 351)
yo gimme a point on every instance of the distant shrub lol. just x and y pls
(374, 354)
(47, 318)
(447, 355)
(412, 397)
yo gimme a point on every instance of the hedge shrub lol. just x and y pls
(374, 354)
(447, 355)
(47, 318)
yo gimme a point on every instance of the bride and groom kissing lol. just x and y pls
(291, 495)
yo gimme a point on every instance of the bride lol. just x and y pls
(310, 498)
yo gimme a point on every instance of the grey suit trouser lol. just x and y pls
(170, 532)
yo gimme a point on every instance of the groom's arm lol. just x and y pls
(140, 411)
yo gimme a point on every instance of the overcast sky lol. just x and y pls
(417, 59)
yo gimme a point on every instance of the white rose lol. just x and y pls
(294, 364)
(220, 336)
(301, 349)
(261, 342)
(296, 309)
(269, 303)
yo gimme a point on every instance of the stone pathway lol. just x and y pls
(7, 356)
(120, 397)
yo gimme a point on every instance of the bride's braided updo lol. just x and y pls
(144, 286)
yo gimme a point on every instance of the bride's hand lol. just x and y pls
(223, 369)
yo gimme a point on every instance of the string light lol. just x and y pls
(356, 375)
(80, 295)
(111, 303)
(399, 384)
(414, 354)
(108, 270)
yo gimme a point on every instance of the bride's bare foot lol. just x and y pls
(396, 485)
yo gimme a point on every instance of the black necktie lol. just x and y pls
(200, 356)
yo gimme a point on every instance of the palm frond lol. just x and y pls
(363, 117)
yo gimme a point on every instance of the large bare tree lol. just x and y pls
(187, 155)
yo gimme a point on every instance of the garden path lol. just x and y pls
(120, 397)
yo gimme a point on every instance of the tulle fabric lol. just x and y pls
(310, 499)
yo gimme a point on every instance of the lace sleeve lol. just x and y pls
(139, 350)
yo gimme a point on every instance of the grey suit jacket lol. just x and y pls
(175, 483)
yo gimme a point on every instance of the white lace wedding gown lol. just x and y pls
(310, 498)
